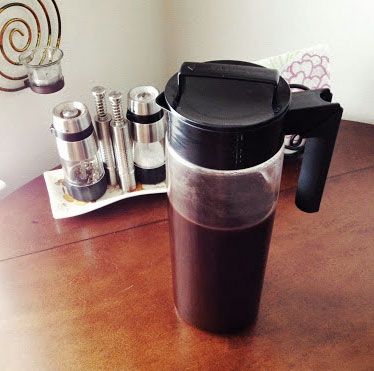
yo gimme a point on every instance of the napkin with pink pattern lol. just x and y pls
(309, 66)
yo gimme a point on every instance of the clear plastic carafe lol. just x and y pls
(220, 229)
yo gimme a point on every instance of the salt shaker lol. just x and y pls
(148, 133)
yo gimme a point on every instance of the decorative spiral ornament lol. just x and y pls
(21, 28)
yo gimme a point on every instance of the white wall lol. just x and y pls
(200, 30)
(125, 43)
(118, 44)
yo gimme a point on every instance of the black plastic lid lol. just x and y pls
(226, 114)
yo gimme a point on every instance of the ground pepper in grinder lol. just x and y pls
(78, 150)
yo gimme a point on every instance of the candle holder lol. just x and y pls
(25, 26)
(43, 69)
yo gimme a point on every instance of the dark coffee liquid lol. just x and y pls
(218, 274)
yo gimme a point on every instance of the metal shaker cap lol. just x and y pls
(142, 100)
(71, 117)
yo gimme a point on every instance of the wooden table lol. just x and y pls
(94, 292)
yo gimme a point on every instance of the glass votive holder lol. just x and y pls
(43, 65)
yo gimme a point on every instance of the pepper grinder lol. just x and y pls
(77, 147)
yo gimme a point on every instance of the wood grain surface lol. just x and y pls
(94, 292)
